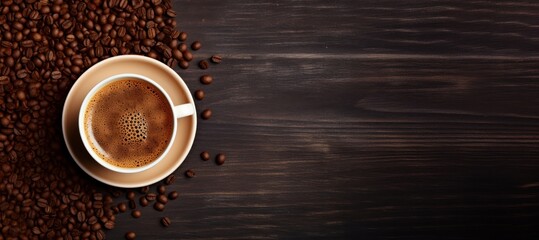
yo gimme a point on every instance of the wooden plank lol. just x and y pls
(361, 120)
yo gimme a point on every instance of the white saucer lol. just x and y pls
(164, 76)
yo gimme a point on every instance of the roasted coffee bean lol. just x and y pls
(132, 204)
(216, 59)
(143, 201)
(199, 94)
(183, 64)
(170, 179)
(196, 45)
(130, 235)
(206, 114)
(177, 54)
(203, 64)
(190, 173)
(173, 195)
(206, 79)
(130, 195)
(183, 36)
(136, 213)
(161, 189)
(205, 156)
(162, 198)
(151, 196)
(145, 189)
(188, 56)
(109, 225)
(220, 159)
(122, 207)
(159, 206)
(165, 221)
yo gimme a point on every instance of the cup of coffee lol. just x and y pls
(127, 122)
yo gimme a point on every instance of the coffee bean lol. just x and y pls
(188, 56)
(170, 179)
(161, 189)
(205, 156)
(109, 225)
(199, 94)
(159, 206)
(177, 54)
(143, 201)
(132, 204)
(183, 64)
(220, 159)
(130, 235)
(136, 213)
(216, 59)
(196, 45)
(81, 217)
(130, 195)
(183, 36)
(190, 173)
(203, 64)
(151, 196)
(206, 79)
(206, 114)
(165, 221)
(162, 199)
(173, 195)
(122, 207)
(145, 189)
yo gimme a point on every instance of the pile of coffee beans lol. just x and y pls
(44, 47)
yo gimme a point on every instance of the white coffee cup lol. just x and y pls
(179, 111)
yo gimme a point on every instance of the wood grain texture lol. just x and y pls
(361, 120)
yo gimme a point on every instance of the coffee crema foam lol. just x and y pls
(129, 123)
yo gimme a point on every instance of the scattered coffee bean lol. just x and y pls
(145, 189)
(203, 64)
(190, 173)
(220, 159)
(109, 225)
(122, 207)
(216, 59)
(199, 94)
(151, 196)
(130, 195)
(196, 45)
(183, 36)
(206, 114)
(132, 204)
(159, 206)
(162, 198)
(173, 195)
(136, 213)
(170, 179)
(206, 79)
(188, 56)
(205, 156)
(165, 221)
(143, 201)
(183, 64)
(161, 189)
(130, 235)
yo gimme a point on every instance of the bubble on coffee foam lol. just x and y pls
(134, 127)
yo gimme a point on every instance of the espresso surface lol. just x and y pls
(129, 123)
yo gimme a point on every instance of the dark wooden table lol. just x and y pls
(361, 120)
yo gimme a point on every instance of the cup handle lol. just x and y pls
(184, 110)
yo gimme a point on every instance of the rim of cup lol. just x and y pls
(84, 137)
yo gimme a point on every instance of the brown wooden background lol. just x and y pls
(362, 119)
